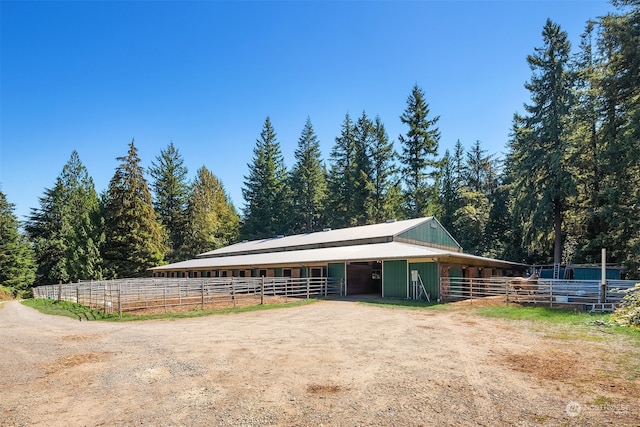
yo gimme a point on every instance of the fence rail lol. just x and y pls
(124, 295)
(589, 294)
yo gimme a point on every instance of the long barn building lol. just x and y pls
(371, 259)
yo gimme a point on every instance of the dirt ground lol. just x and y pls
(331, 363)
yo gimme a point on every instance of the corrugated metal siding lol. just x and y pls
(337, 269)
(594, 273)
(430, 232)
(429, 273)
(394, 279)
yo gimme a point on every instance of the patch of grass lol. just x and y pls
(577, 324)
(401, 303)
(81, 312)
(197, 312)
(542, 314)
(66, 308)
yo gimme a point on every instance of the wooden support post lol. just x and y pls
(119, 302)
(307, 288)
(202, 295)
(233, 292)
(506, 289)
(261, 290)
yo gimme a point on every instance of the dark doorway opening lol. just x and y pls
(364, 278)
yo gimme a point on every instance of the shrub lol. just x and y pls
(628, 313)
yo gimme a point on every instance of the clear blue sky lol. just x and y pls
(91, 76)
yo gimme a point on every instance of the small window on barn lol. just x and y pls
(286, 272)
(263, 273)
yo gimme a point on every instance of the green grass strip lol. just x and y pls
(81, 312)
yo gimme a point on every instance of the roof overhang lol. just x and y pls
(322, 256)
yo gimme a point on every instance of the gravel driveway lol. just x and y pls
(332, 363)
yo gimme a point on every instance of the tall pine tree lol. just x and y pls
(170, 192)
(17, 264)
(341, 179)
(363, 186)
(539, 150)
(308, 184)
(212, 221)
(619, 216)
(419, 156)
(66, 230)
(133, 236)
(266, 191)
(386, 188)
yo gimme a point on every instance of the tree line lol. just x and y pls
(568, 185)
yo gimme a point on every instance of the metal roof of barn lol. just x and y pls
(354, 253)
(376, 233)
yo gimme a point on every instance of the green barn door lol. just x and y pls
(429, 274)
(394, 279)
(337, 270)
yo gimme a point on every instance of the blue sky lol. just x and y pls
(91, 76)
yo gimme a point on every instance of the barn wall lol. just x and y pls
(429, 273)
(430, 232)
(394, 279)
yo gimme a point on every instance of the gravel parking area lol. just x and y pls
(338, 363)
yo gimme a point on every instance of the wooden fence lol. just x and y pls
(124, 295)
(589, 295)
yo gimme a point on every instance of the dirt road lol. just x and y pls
(335, 363)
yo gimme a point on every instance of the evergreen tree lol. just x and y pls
(212, 221)
(308, 184)
(46, 229)
(133, 236)
(542, 182)
(475, 197)
(458, 163)
(449, 197)
(341, 179)
(419, 156)
(386, 188)
(17, 265)
(66, 230)
(170, 190)
(266, 191)
(363, 186)
(619, 216)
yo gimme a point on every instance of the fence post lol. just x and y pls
(202, 295)
(506, 289)
(164, 288)
(119, 301)
(551, 294)
(261, 290)
(233, 292)
(77, 294)
(471, 290)
(307, 288)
